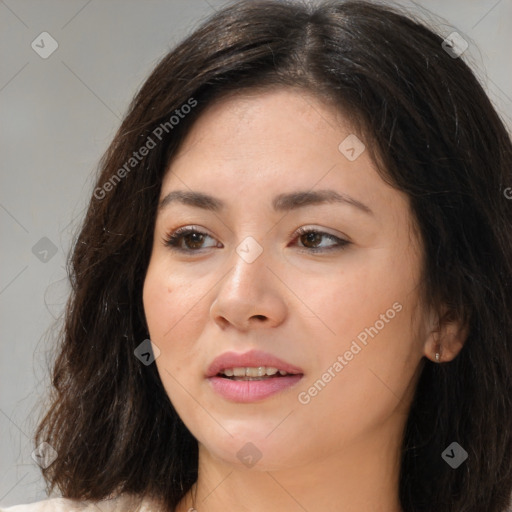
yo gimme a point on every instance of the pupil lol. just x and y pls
(198, 238)
(311, 237)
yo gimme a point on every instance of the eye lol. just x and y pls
(311, 237)
(193, 240)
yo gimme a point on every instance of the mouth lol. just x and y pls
(252, 376)
(253, 373)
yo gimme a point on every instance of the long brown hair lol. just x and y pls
(436, 136)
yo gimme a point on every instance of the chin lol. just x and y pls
(256, 450)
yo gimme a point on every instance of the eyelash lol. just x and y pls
(172, 240)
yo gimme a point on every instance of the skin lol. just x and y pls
(340, 451)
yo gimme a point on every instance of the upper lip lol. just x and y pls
(253, 358)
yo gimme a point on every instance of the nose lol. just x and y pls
(250, 295)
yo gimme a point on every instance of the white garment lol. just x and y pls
(123, 503)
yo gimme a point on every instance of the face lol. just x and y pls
(335, 306)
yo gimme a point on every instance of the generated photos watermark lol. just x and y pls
(305, 397)
(151, 142)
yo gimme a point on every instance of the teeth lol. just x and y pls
(260, 371)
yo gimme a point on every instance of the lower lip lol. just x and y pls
(246, 391)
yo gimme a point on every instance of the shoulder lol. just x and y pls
(53, 505)
(123, 503)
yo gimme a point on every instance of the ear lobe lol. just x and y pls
(446, 339)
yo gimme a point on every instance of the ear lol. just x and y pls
(446, 337)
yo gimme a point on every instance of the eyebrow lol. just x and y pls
(281, 203)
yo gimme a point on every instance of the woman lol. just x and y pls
(306, 212)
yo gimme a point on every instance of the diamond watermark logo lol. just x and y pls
(249, 249)
(44, 250)
(147, 352)
(351, 147)
(44, 45)
(454, 455)
(44, 455)
(454, 45)
(249, 455)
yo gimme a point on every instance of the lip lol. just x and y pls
(253, 358)
(252, 390)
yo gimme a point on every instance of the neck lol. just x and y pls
(362, 477)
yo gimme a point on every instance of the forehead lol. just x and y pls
(270, 115)
(262, 133)
(252, 147)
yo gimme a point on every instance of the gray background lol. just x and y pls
(58, 117)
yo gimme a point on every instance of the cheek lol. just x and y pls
(360, 298)
(372, 320)
(169, 302)
(362, 391)
(174, 320)
(175, 315)
(156, 298)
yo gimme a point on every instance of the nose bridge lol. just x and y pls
(249, 289)
(249, 260)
